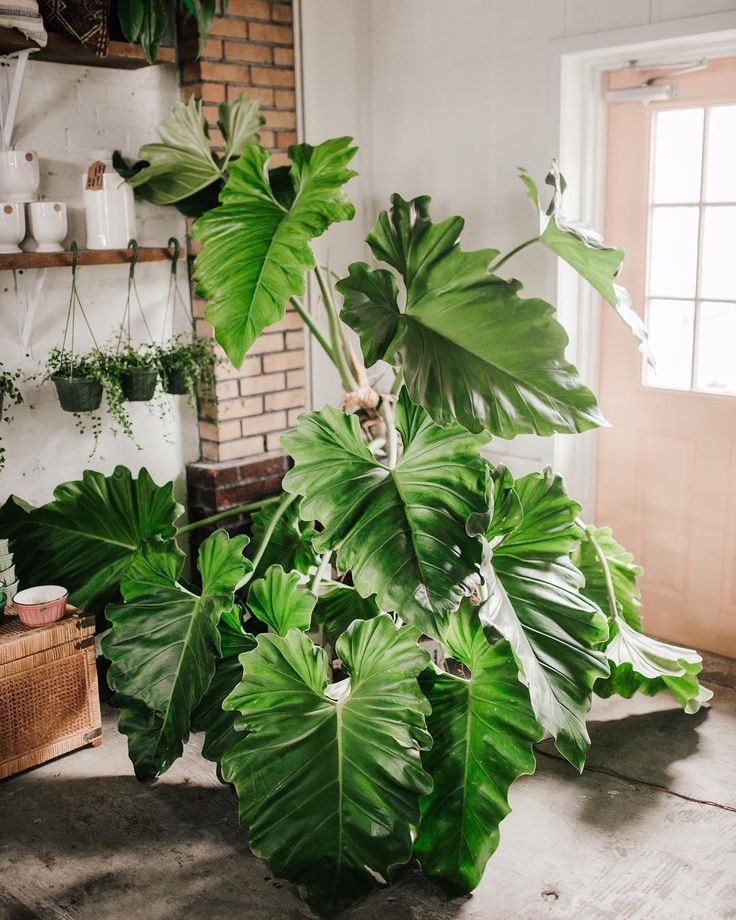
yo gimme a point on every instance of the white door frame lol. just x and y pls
(580, 69)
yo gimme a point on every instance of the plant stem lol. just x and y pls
(610, 590)
(386, 411)
(398, 380)
(319, 575)
(348, 381)
(502, 261)
(283, 504)
(231, 512)
(313, 328)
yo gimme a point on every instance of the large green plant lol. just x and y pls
(378, 539)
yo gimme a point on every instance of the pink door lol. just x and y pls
(667, 468)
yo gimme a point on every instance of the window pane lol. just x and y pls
(670, 325)
(673, 252)
(678, 149)
(720, 176)
(716, 361)
(718, 271)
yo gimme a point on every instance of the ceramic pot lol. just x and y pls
(42, 605)
(48, 224)
(12, 226)
(78, 394)
(109, 206)
(139, 383)
(19, 175)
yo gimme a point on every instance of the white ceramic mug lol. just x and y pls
(12, 225)
(48, 224)
(19, 175)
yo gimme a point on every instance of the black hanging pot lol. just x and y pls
(176, 383)
(78, 394)
(139, 383)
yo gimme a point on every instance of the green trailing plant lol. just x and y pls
(380, 538)
(182, 168)
(10, 395)
(145, 22)
(186, 365)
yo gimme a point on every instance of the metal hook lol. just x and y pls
(133, 244)
(176, 246)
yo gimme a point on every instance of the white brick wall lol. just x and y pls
(64, 112)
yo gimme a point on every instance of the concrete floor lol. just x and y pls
(647, 833)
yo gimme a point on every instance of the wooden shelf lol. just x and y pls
(63, 49)
(21, 260)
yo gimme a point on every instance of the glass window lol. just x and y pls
(691, 270)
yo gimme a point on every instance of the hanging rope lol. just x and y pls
(174, 295)
(132, 289)
(74, 302)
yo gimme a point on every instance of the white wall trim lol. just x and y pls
(582, 149)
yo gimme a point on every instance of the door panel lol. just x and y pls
(667, 467)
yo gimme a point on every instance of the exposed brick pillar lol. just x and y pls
(249, 49)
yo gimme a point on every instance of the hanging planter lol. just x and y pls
(9, 394)
(185, 362)
(78, 394)
(139, 384)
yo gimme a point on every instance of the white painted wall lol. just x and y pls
(65, 111)
(449, 98)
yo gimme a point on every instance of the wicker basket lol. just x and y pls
(49, 701)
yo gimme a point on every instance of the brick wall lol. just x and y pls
(250, 49)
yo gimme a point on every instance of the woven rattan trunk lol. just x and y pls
(49, 700)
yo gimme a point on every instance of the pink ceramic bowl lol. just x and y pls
(42, 605)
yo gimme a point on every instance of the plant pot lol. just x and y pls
(78, 394)
(139, 384)
(176, 383)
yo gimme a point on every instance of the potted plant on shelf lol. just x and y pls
(184, 364)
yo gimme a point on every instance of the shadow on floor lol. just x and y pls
(639, 748)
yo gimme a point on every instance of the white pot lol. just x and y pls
(19, 175)
(109, 207)
(12, 225)
(48, 224)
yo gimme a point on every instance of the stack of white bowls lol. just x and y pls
(19, 181)
(8, 581)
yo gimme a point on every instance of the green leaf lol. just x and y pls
(401, 532)
(164, 642)
(86, 537)
(329, 780)
(181, 164)
(204, 11)
(130, 14)
(277, 601)
(483, 729)
(255, 247)
(209, 716)
(623, 571)
(535, 602)
(638, 662)
(471, 349)
(153, 27)
(240, 121)
(338, 605)
(583, 248)
(290, 543)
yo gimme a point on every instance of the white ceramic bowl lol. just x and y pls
(48, 224)
(7, 576)
(4, 546)
(12, 225)
(19, 175)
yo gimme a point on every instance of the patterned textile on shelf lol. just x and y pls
(86, 20)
